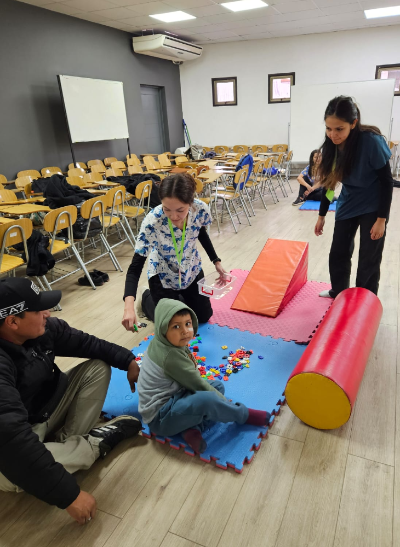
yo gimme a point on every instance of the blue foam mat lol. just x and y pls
(260, 386)
(314, 206)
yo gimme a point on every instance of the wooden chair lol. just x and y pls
(221, 149)
(78, 164)
(92, 177)
(21, 183)
(115, 203)
(76, 172)
(1, 187)
(233, 196)
(90, 163)
(95, 208)
(199, 190)
(12, 233)
(281, 175)
(98, 168)
(152, 165)
(135, 169)
(48, 171)
(279, 148)
(109, 161)
(30, 173)
(206, 149)
(142, 192)
(3, 179)
(29, 194)
(242, 148)
(259, 148)
(164, 161)
(7, 195)
(114, 173)
(132, 159)
(118, 165)
(180, 159)
(56, 220)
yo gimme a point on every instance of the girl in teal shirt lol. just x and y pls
(358, 156)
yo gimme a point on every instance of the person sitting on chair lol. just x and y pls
(47, 417)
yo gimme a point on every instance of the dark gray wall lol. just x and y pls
(37, 44)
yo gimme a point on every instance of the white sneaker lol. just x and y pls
(325, 294)
(138, 301)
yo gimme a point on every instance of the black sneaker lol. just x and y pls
(97, 281)
(115, 431)
(298, 201)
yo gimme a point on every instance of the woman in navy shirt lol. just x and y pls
(356, 155)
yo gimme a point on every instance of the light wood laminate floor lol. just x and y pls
(304, 487)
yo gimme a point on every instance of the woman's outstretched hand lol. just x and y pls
(129, 318)
(378, 229)
(319, 227)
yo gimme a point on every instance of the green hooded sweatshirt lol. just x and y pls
(167, 369)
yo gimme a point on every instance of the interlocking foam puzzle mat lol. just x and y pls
(260, 386)
(297, 321)
(314, 206)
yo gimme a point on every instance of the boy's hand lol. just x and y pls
(133, 374)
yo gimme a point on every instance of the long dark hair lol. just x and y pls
(180, 186)
(311, 164)
(331, 172)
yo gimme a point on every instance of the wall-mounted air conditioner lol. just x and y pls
(166, 47)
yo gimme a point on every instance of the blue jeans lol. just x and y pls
(199, 410)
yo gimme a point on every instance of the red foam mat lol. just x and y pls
(297, 322)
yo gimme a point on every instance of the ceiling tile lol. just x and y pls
(116, 13)
(126, 3)
(290, 7)
(259, 12)
(371, 4)
(60, 8)
(342, 8)
(144, 21)
(353, 15)
(269, 19)
(219, 34)
(233, 25)
(204, 11)
(227, 17)
(306, 14)
(93, 17)
(152, 8)
(186, 4)
(119, 25)
(328, 3)
(244, 31)
(89, 5)
(261, 36)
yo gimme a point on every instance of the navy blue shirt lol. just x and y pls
(361, 189)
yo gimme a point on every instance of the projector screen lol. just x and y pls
(308, 104)
(95, 109)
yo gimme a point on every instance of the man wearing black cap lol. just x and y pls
(47, 418)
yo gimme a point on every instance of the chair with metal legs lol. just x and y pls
(233, 195)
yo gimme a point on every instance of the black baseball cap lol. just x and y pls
(18, 294)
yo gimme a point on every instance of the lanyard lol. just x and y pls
(330, 194)
(179, 254)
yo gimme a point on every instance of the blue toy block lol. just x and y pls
(261, 387)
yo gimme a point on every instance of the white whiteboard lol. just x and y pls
(308, 104)
(95, 109)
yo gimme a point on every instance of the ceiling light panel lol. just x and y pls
(243, 5)
(382, 12)
(173, 16)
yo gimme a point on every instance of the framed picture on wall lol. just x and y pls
(224, 91)
(388, 72)
(279, 86)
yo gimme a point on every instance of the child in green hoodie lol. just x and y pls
(173, 397)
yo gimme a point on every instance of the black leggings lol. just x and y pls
(200, 304)
(369, 258)
(314, 196)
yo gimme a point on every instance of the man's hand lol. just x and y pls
(133, 374)
(83, 509)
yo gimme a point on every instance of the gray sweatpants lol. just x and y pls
(65, 434)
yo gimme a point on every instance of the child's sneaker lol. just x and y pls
(113, 432)
(326, 294)
(194, 439)
(298, 201)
